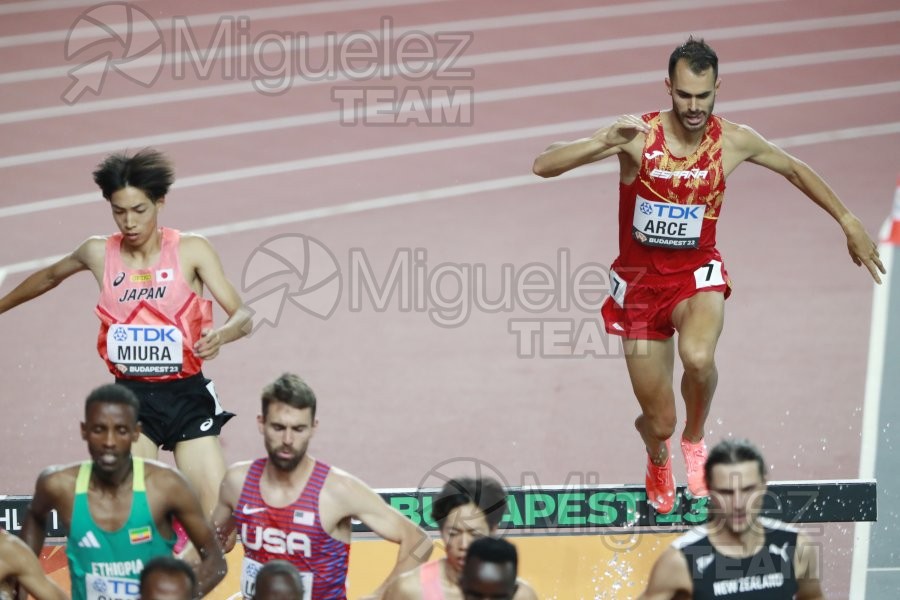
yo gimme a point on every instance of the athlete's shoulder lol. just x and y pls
(157, 473)
(190, 240)
(238, 471)
(93, 248)
(525, 591)
(60, 472)
(776, 525)
(58, 481)
(738, 132)
(405, 586)
(339, 478)
(691, 537)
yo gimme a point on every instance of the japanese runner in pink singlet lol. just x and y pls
(150, 318)
(156, 328)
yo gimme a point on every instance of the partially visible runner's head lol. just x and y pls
(288, 421)
(697, 55)
(278, 580)
(168, 578)
(113, 393)
(148, 170)
(289, 389)
(490, 571)
(467, 509)
(735, 474)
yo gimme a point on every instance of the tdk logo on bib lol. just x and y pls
(667, 225)
(145, 349)
(145, 334)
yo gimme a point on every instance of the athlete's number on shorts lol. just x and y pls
(618, 288)
(709, 275)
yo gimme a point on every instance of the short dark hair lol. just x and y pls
(731, 452)
(167, 564)
(291, 390)
(698, 55)
(113, 393)
(280, 568)
(148, 170)
(485, 492)
(493, 550)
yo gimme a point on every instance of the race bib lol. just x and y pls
(709, 275)
(617, 288)
(111, 588)
(145, 350)
(667, 225)
(250, 569)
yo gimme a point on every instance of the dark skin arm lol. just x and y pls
(54, 490)
(17, 560)
(170, 496)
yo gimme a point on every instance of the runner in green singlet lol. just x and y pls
(118, 509)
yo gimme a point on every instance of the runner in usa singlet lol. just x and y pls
(293, 533)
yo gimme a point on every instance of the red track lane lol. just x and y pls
(400, 394)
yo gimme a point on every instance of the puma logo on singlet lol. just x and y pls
(779, 551)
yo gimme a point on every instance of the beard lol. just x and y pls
(703, 116)
(285, 464)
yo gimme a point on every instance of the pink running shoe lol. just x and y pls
(660, 484)
(695, 460)
(182, 537)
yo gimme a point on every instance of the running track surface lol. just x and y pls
(400, 396)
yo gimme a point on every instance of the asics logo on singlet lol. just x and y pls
(692, 174)
(206, 425)
(276, 541)
(654, 154)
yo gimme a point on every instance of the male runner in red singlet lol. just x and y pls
(291, 506)
(672, 170)
(155, 325)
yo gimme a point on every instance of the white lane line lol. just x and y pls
(234, 52)
(499, 95)
(31, 6)
(477, 140)
(276, 12)
(459, 190)
(871, 415)
(246, 87)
